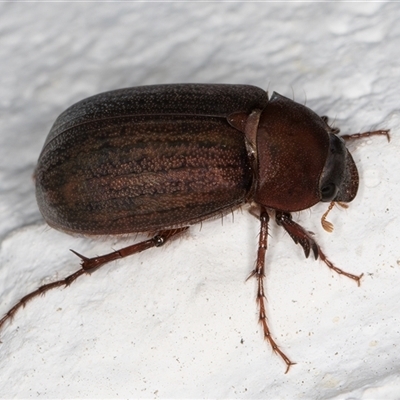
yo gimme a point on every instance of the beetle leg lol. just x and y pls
(307, 242)
(89, 265)
(382, 132)
(333, 130)
(259, 273)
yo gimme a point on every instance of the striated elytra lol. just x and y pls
(161, 158)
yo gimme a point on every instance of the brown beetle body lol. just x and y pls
(156, 157)
(160, 158)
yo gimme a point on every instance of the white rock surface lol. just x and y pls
(181, 322)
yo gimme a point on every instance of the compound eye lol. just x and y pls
(328, 192)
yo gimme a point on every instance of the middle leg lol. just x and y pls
(259, 274)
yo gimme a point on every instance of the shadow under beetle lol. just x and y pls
(161, 158)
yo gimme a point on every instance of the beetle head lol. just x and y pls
(300, 162)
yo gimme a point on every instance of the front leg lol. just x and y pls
(336, 131)
(307, 242)
(381, 132)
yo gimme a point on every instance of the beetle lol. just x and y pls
(161, 158)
